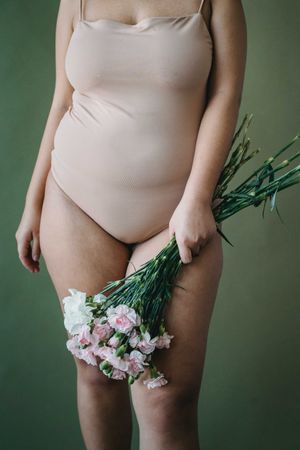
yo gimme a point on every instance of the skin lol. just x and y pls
(53, 225)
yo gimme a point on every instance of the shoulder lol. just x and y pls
(222, 11)
(68, 12)
(226, 9)
(228, 17)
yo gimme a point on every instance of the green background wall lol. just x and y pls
(250, 391)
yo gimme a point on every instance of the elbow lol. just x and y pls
(230, 96)
(228, 99)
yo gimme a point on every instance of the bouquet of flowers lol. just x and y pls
(125, 327)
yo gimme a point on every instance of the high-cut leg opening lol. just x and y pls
(51, 174)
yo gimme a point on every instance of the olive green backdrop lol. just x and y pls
(250, 390)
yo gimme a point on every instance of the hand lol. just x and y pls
(28, 231)
(193, 224)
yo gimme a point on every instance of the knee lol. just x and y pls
(174, 399)
(173, 406)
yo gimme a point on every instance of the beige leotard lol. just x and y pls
(123, 151)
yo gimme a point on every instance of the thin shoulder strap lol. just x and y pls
(80, 10)
(200, 7)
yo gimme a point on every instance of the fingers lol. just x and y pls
(189, 248)
(185, 249)
(196, 250)
(36, 248)
(25, 252)
(185, 254)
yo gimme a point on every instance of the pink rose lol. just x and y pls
(116, 361)
(85, 336)
(109, 354)
(114, 341)
(74, 346)
(147, 345)
(123, 318)
(164, 340)
(159, 381)
(103, 352)
(136, 362)
(102, 330)
(134, 338)
(118, 374)
(87, 354)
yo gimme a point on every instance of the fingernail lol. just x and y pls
(35, 257)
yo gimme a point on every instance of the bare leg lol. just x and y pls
(80, 254)
(167, 416)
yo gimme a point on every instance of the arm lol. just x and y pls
(60, 104)
(28, 229)
(193, 221)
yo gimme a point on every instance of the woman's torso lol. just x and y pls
(124, 149)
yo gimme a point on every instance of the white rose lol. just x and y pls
(76, 312)
(98, 298)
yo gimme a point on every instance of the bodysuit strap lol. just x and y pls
(80, 10)
(200, 7)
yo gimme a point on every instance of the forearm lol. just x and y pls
(35, 192)
(212, 147)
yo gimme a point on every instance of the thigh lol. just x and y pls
(187, 316)
(78, 253)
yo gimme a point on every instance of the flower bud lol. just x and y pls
(162, 329)
(131, 379)
(104, 365)
(118, 334)
(121, 350)
(142, 328)
(153, 371)
(109, 372)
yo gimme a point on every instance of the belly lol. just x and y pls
(126, 169)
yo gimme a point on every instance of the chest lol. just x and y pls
(173, 52)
